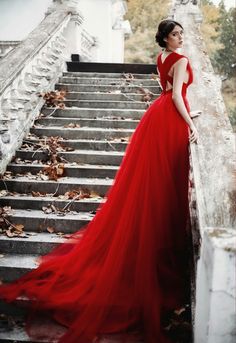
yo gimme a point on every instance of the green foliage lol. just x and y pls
(210, 28)
(225, 58)
(219, 32)
(144, 17)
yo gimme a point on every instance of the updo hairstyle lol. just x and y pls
(164, 28)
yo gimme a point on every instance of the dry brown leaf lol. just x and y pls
(38, 194)
(54, 171)
(54, 98)
(154, 76)
(49, 209)
(19, 227)
(72, 125)
(50, 229)
(9, 233)
(179, 311)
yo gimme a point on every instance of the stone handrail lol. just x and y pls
(88, 45)
(29, 69)
(33, 67)
(7, 46)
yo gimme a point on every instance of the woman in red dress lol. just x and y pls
(129, 264)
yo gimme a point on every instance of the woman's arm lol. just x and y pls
(178, 79)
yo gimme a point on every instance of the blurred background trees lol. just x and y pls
(219, 32)
(144, 17)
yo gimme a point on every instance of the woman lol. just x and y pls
(129, 265)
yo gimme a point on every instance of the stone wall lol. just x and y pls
(213, 161)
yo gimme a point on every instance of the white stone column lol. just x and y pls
(215, 320)
(120, 28)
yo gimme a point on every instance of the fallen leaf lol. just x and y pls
(50, 229)
(19, 227)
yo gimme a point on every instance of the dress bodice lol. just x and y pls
(165, 67)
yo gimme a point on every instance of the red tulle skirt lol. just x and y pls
(130, 263)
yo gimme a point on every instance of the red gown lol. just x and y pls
(130, 263)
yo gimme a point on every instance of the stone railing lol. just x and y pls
(213, 194)
(7, 46)
(33, 67)
(88, 47)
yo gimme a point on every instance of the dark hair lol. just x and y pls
(164, 28)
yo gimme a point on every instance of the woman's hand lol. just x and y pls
(193, 137)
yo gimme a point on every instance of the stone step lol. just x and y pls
(112, 158)
(17, 335)
(85, 144)
(86, 122)
(38, 221)
(27, 201)
(105, 75)
(98, 171)
(105, 104)
(109, 81)
(81, 133)
(39, 243)
(12, 267)
(69, 87)
(105, 96)
(25, 185)
(93, 113)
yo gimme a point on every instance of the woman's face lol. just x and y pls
(174, 40)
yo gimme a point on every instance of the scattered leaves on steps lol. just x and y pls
(128, 76)
(147, 96)
(54, 98)
(8, 228)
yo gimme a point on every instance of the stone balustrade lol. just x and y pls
(33, 67)
(7, 46)
(88, 46)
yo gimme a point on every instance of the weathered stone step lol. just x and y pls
(105, 104)
(98, 171)
(85, 144)
(17, 335)
(12, 267)
(112, 158)
(86, 122)
(93, 113)
(105, 96)
(108, 81)
(84, 133)
(39, 243)
(105, 75)
(105, 88)
(38, 221)
(25, 185)
(19, 201)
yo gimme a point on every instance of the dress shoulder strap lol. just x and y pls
(173, 58)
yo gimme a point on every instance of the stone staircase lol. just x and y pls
(84, 142)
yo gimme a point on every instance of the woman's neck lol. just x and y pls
(170, 50)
